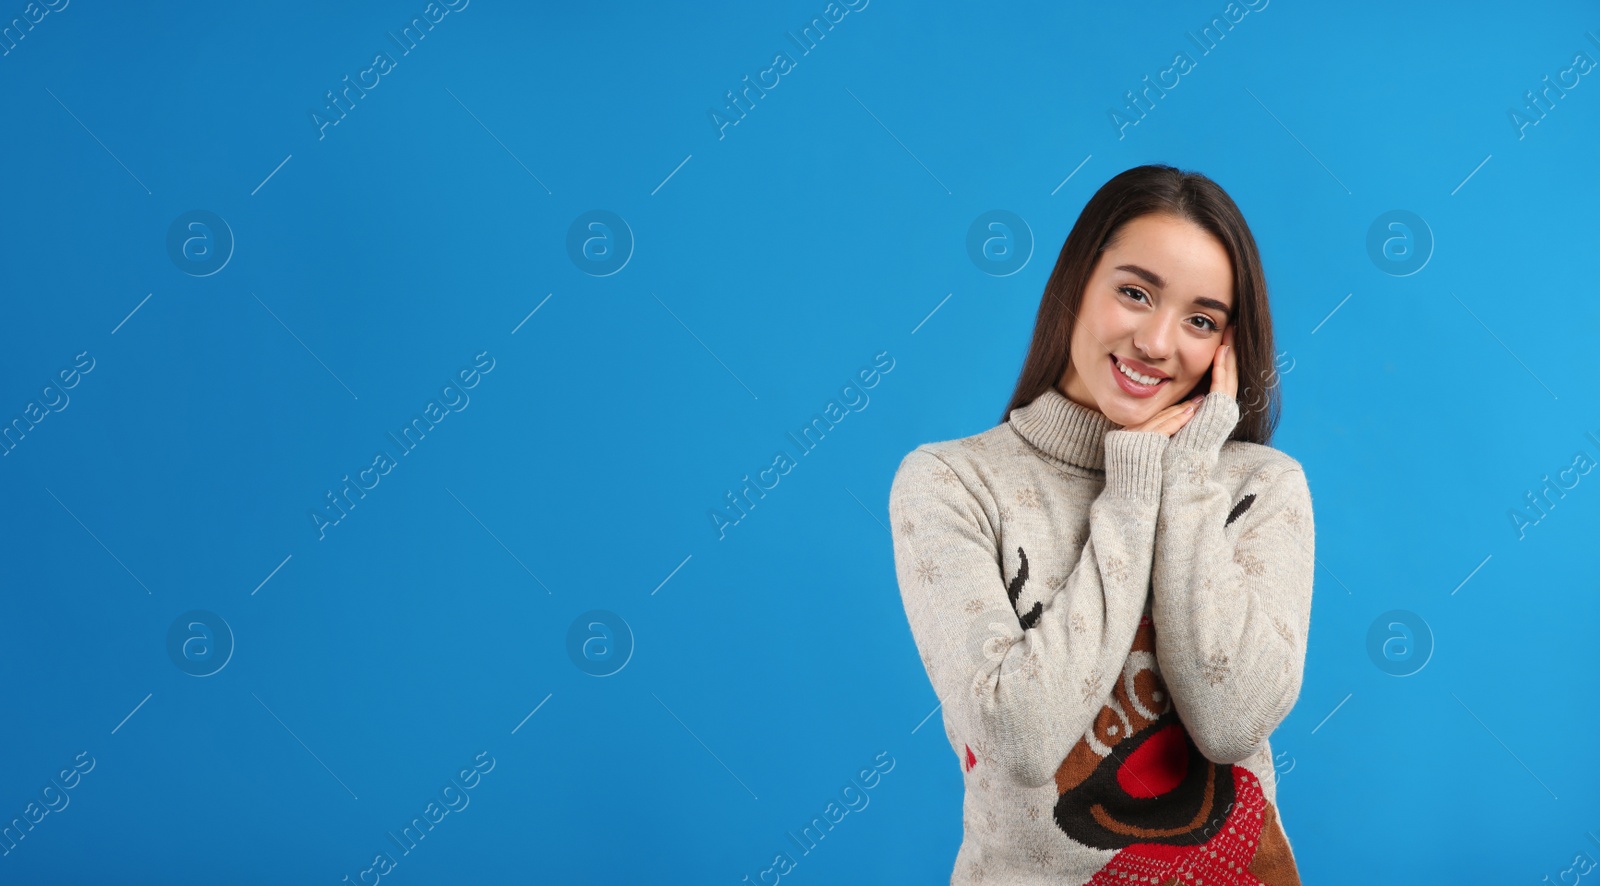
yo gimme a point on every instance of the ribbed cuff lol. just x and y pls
(1133, 463)
(1216, 418)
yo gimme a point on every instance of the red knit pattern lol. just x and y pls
(1223, 859)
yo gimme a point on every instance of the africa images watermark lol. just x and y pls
(1566, 480)
(811, 34)
(1532, 113)
(383, 64)
(55, 798)
(855, 796)
(453, 398)
(52, 396)
(1211, 33)
(455, 796)
(1254, 398)
(854, 398)
(18, 28)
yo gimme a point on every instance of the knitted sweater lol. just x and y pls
(1114, 622)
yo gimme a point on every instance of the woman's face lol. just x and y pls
(1157, 302)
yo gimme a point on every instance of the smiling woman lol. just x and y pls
(1168, 268)
(1111, 589)
(1128, 309)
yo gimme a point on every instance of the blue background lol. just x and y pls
(763, 666)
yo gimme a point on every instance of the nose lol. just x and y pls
(1155, 338)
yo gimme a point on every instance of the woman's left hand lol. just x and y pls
(1225, 366)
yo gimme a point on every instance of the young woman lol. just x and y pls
(1111, 589)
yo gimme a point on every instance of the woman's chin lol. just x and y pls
(1126, 414)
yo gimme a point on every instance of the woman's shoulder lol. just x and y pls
(1243, 460)
(970, 451)
(967, 459)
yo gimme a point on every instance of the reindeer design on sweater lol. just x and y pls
(1136, 782)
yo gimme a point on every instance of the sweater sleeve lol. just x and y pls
(1232, 585)
(1026, 695)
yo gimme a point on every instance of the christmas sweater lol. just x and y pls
(1114, 622)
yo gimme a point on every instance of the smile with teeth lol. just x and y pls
(1140, 378)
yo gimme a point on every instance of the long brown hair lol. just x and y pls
(1158, 188)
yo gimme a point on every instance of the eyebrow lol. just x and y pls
(1155, 280)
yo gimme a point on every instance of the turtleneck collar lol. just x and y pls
(1064, 430)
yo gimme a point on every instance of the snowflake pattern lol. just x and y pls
(1283, 630)
(1030, 666)
(1116, 570)
(1295, 518)
(1250, 563)
(1091, 686)
(1217, 668)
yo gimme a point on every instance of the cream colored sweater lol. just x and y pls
(1114, 623)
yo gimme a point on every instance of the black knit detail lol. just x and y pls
(1241, 507)
(1014, 590)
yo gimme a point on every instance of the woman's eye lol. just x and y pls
(1136, 293)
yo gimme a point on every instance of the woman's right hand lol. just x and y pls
(1168, 421)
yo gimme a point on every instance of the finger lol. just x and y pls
(1174, 423)
(1225, 367)
(1233, 371)
(1168, 421)
(1155, 422)
(1179, 409)
(1233, 359)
